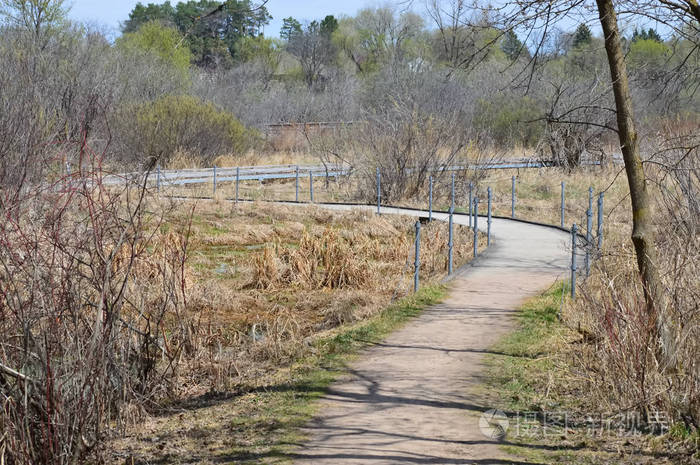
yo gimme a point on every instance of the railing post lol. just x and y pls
(512, 198)
(452, 197)
(476, 227)
(450, 242)
(471, 200)
(563, 198)
(311, 186)
(238, 181)
(379, 191)
(430, 200)
(488, 221)
(416, 264)
(600, 221)
(158, 178)
(296, 185)
(214, 179)
(589, 230)
(573, 261)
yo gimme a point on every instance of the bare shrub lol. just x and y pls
(622, 366)
(678, 156)
(578, 114)
(509, 119)
(46, 100)
(92, 313)
(92, 292)
(244, 91)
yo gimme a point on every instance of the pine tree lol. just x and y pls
(512, 46)
(329, 25)
(582, 36)
(290, 28)
(649, 34)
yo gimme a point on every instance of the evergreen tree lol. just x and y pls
(582, 36)
(512, 46)
(649, 34)
(329, 25)
(290, 27)
(142, 14)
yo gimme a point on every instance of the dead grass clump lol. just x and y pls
(325, 261)
(266, 269)
(183, 160)
(348, 307)
(342, 266)
(277, 339)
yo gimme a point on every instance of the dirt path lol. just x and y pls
(411, 399)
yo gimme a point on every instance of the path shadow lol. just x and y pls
(439, 349)
(372, 456)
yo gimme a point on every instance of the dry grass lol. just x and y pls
(542, 371)
(538, 193)
(615, 360)
(537, 190)
(269, 279)
(265, 281)
(184, 160)
(325, 190)
(265, 278)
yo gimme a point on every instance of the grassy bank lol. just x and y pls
(517, 375)
(534, 379)
(261, 423)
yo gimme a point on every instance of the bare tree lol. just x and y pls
(314, 50)
(579, 111)
(457, 41)
(39, 18)
(414, 124)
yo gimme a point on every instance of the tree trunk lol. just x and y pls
(643, 229)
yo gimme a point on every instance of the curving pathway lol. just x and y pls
(414, 398)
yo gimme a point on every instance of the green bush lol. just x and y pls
(649, 54)
(162, 41)
(509, 120)
(173, 124)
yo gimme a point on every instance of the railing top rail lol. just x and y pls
(204, 175)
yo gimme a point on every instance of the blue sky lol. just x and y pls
(111, 12)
